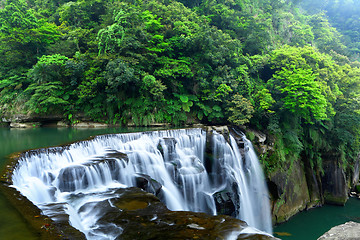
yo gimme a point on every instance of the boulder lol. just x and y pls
(347, 231)
(148, 184)
(224, 203)
(90, 125)
(224, 130)
(72, 178)
(24, 125)
(62, 124)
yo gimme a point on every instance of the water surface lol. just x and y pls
(311, 224)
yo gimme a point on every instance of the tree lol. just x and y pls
(240, 110)
(23, 36)
(53, 80)
(300, 93)
(111, 37)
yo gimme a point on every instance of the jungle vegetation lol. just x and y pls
(285, 67)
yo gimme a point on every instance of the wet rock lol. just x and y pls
(24, 125)
(347, 231)
(71, 178)
(224, 203)
(292, 190)
(116, 155)
(223, 130)
(62, 124)
(56, 211)
(169, 144)
(90, 125)
(313, 181)
(334, 182)
(255, 236)
(148, 184)
(78, 177)
(24, 118)
(143, 216)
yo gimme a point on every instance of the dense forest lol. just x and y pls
(285, 67)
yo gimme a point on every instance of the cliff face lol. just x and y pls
(297, 186)
(289, 192)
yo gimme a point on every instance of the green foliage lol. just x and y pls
(265, 100)
(47, 98)
(22, 35)
(110, 38)
(49, 68)
(300, 93)
(154, 87)
(265, 63)
(240, 110)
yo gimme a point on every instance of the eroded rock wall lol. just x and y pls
(290, 194)
(296, 186)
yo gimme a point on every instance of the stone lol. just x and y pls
(346, 231)
(224, 203)
(43, 226)
(90, 125)
(72, 177)
(24, 125)
(314, 185)
(62, 124)
(148, 184)
(23, 118)
(220, 129)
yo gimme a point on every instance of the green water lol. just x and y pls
(311, 224)
(12, 225)
(307, 225)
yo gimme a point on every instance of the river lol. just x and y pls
(306, 225)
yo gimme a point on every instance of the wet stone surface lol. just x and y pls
(141, 215)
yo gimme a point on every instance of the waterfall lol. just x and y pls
(78, 176)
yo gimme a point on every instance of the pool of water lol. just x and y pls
(313, 223)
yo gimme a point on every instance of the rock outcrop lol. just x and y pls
(334, 182)
(290, 192)
(142, 215)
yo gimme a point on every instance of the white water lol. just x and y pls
(173, 158)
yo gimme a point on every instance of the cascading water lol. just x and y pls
(80, 175)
